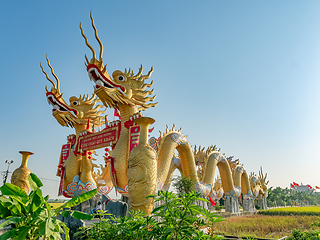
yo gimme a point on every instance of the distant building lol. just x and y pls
(302, 188)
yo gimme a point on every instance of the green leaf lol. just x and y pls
(22, 233)
(46, 198)
(4, 212)
(157, 208)
(66, 229)
(7, 235)
(65, 214)
(36, 180)
(9, 189)
(10, 221)
(36, 200)
(81, 215)
(49, 227)
(77, 200)
(32, 184)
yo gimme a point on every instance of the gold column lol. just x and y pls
(142, 170)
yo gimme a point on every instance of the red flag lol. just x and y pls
(211, 201)
(291, 185)
(317, 187)
(309, 186)
(116, 113)
(88, 124)
(295, 184)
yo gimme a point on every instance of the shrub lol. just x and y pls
(183, 185)
(31, 216)
(304, 235)
(176, 218)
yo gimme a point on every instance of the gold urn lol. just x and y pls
(142, 170)
(20, 175)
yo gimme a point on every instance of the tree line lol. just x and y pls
(289, 197)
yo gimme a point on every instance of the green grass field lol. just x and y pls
(272, 223)
(264, 226)
(293, 211)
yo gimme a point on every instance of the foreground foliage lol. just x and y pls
(31, 216)
(290, 211)
(259, 226)
(304, 235)
(175, 218)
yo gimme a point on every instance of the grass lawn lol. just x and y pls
(288, 211)
(264, 226)
(55, 205)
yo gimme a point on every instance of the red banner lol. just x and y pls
(65, 152)
(100, 139)
(60, 191)
(134, 136)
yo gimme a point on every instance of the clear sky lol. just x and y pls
(244, 75)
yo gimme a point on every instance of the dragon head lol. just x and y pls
(199, 156)
(78, 111)
(123, 87)
(262, 179)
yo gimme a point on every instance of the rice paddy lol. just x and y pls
(273, 223)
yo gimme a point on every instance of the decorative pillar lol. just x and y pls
(142, 170)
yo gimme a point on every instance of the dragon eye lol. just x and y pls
(75, 103)
(121, 78)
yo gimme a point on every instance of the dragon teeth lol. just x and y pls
(99, 83)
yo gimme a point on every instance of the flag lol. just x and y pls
(116, 113)
(295, 184)
(317, 187)
(211, 201)
(291, 185)
(309, 186)
(88, 124)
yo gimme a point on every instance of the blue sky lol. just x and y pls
(243, 75)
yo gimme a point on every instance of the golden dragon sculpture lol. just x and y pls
(78, 175)
(127, 93)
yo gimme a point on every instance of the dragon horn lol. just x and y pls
(55, 76)
(54, 85)
(96, 35)
(87, 43)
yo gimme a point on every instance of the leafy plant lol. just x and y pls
(183, 185)
(176, 218)
(304, 235)
(31, 216)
